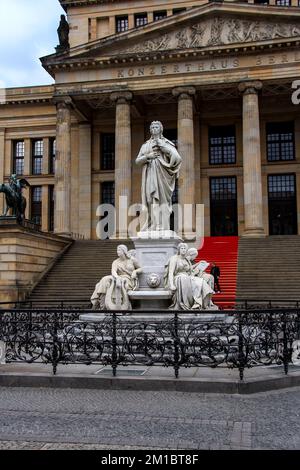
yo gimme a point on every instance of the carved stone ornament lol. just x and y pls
(153, 280)
(218, 31)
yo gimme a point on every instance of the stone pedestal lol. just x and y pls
(153, 251)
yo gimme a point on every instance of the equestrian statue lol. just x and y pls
(14, 197)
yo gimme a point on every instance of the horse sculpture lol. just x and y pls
(14, 198)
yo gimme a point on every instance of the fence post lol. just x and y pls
(285, 346)
(55, 346)
(114, 344)
(176, 348)
(241, 355)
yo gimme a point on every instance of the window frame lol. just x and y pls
(106, 163)
(37, 159)
(119, 24)
(138, 16)
(222, 145)
(156, 13)
(104, 184)
(52, 155)
(17, 158)
(280, 141)
(36, 206)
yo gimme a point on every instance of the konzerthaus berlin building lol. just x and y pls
(218, 75)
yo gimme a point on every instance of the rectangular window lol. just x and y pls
(141, 19)
(280, 141)
(223, 188)
(36, 204)
(52, 155)
(178, 10)
(18, 157)
(37, 157)
(282, 186)
(122, 24)
(108, 192)
(223, 206)
(159, 15)
(282, 204)
(107, 151)
(222, 143)
(283, 3)
(51, 208)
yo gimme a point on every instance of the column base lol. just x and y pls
(254, 233)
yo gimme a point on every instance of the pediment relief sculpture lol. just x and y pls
(217, 31)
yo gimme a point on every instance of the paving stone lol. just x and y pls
(104, 419)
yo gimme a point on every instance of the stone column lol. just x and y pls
(2, 160)
(186, 148)
(62, 218)
(85, 181)
(253, 202)
(122, 159)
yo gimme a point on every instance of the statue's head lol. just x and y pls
(132, 253)
(122, 250)
(156, 128)
(182, 249)
(192, 253)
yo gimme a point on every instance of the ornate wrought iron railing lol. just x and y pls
(84, 304)
(171, 339)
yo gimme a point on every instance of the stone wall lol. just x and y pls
(24, 256)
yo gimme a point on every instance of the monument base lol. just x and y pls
(150, 299)
(153, 251)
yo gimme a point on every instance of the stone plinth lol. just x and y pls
(154, 299)
(25, 255)
(153, 251)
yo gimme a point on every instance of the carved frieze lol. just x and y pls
(215, 32)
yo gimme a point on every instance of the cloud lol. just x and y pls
(28, 31)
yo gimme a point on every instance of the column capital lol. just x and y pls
(121, 97)
(63, 102)
(184, 92)
(250, 87)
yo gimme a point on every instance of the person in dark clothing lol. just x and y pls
(216, 273)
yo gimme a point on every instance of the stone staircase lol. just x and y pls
(75, 275)
(269, 268)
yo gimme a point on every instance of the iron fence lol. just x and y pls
(241, 340)
(84, 304)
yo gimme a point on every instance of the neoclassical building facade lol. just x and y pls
(220, 77)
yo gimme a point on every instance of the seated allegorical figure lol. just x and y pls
(189, 291)
(199, 271)
(111, 293)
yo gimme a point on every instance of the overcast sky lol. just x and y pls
(28, 30)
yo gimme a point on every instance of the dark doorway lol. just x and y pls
(223, 206)
(282, 204)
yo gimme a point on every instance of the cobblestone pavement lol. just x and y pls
(32, 418)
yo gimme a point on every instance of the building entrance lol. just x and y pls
(282, 204)
(223, 206)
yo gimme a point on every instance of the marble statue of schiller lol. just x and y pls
(161, 164)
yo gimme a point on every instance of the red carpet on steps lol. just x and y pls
(223, 251)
